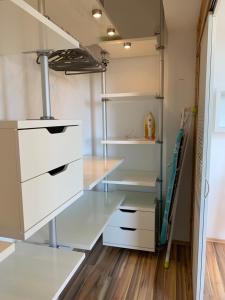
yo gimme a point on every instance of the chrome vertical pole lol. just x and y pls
(47, 114)
(46, 102)
(104, 122)
(161, 98)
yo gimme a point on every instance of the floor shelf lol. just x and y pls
(96, 169)
(81, 225)
(37, 272)
(129, 141)
(134, 96)
(133, 178)
(6, 249)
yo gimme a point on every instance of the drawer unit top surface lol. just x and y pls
(139, 201)
(26, 124)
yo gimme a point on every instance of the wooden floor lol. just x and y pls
(114, 273)
(215, 272)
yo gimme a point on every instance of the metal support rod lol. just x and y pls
(161, 95)
(41, 6)
(104, 122)
(46, 101)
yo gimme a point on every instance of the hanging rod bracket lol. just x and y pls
(159, 97)
(160, 47)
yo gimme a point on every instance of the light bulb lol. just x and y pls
(111, 31)
(97, 13)
(127, 45)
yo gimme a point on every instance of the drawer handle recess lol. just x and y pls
(58, 170)
(129, 229)
(56, 129)
(128, 211)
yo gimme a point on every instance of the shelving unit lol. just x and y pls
(80, 226)
(135, 224)
(37, 272)
(133, 178)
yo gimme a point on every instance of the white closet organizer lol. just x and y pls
(134, 225)
(41, 173)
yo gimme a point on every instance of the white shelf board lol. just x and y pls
(24, 29)
(37, 272)
(133, 178)
(6, 249)
(32, 123)
(128, 141)
(139, 201)
(96, 169)
(139, 47)
(81, 225)
(133, 96)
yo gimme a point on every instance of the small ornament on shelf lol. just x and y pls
(149, 126)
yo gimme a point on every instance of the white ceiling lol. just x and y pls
(181, 14)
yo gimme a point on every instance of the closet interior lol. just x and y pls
(55, 201)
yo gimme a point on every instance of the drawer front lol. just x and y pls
(45, 193)
(42, 150)
(136, 238)
(133, 219)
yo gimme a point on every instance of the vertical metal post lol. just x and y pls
(41, 6)
(46, 102)
(161, 97)
(104, 122)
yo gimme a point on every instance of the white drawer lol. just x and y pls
(42, 149)
(45, 193)
(133, 219)
(138, 238)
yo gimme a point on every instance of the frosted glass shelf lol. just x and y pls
(132, 177)
(6, 249)
(96, 169)
(129, 141)
(129, 96)
(24, 29)
(81, 225)
(139, 201)
(37, 272)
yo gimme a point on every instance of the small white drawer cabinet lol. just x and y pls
(133, 224)
(41, 173)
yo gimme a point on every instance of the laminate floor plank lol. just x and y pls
(215, 272)
(121, 274)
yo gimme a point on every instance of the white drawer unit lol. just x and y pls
(133, 219)
(41, 173)
(133, 224)
(129, 238)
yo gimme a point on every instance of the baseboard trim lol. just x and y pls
(212, 240)
(181, 243)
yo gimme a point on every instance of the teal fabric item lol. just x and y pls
(172, 178)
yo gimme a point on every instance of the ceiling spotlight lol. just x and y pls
(96, 13)
(111, 31)
(127, 45)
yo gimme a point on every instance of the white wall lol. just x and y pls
(180, 93)
(216, 202)
(20, 93)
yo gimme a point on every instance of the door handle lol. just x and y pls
(206, 188)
